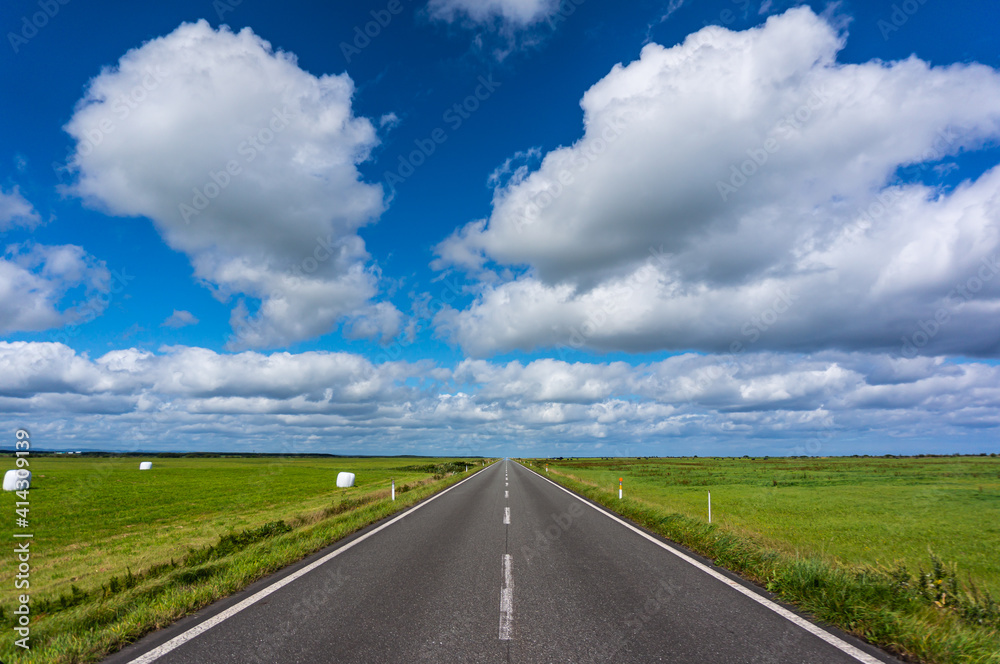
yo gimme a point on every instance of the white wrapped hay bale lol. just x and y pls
(145, 465)
(345, 480)
(12, 477)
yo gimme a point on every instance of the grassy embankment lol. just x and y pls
(119, 552)
(902, 552)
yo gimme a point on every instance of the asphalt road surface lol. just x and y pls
(502, 567)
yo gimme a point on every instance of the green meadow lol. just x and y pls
(118, 552)
(904, 552)
(873, 511)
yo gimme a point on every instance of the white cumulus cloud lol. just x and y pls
(780, 403)
(743, 189)
(247, 164)
(180, 318)
(46, 286)
(16, 210)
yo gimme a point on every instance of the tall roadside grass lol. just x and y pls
(925, 615)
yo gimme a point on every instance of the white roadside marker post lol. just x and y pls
(619, 488)
(710, 507)
(394, 488)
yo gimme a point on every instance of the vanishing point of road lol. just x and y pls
(504, 566)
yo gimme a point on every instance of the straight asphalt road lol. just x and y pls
(503, 567)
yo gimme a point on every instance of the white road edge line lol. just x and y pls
(203, 627)
(815, 630)
(506, 516)
(506, 600)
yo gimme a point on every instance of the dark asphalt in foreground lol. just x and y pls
(433, 586)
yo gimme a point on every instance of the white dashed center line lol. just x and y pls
(506, 600)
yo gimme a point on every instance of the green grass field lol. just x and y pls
(847, 510)
(832, 534)
(118, 551)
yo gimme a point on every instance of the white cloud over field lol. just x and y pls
(744, 188)
(44, 286)
(36, 280)
(186, 398)
(248, 165)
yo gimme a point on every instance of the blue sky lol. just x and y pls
(508, 227)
